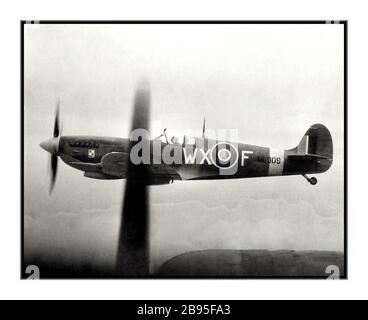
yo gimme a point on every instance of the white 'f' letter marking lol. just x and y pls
(244, 156)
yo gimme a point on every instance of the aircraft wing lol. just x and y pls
(161, 174)
(115, 164)
(253, 263)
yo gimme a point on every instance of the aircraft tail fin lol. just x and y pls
(313, 154)
(316, 143)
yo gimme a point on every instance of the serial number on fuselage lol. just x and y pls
(264, 159)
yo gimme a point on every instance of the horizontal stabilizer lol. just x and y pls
(306, 156)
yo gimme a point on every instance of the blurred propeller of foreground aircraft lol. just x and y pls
(143, 161)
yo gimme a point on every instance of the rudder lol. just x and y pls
(313, 154)
(316, 141)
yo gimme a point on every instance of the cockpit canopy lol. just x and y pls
(196, 142)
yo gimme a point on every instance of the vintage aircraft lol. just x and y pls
(198, 158)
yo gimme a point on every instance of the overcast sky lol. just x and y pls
(270, 82)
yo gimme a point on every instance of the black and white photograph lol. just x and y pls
(183, 149)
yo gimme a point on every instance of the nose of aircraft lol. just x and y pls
(50, 145)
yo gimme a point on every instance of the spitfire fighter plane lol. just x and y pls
(143, 161)
(197, 158)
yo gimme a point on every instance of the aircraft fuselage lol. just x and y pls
(107, 158)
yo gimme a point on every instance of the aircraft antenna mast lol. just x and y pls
(204, 128)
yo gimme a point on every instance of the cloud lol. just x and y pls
(77, 239)
(89, 237)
